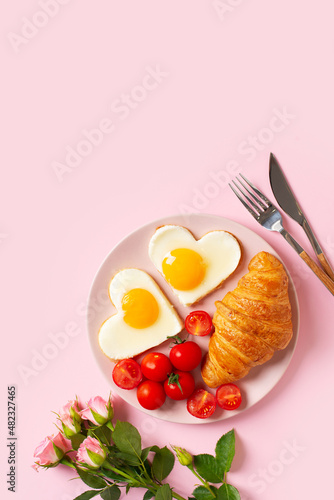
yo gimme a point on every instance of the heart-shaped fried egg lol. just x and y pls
(193, 268)
(144, 318)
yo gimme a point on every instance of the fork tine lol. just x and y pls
(254, 205)
(255, 189)
(256, 198)
(250, 210)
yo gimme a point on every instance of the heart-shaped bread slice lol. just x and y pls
(144, 318)
(194, 268)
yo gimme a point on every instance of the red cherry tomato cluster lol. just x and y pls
(159, 376)
(203, 404)
(168, 376)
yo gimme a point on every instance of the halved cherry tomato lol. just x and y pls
(201, 404)
(185, 356)
(156, 366)
(151, 395)
(198, 323)
(228, 396)
(127, 374)
(179, 385)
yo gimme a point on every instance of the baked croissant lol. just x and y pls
(251, 322)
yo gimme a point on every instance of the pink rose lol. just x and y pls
(70, 419)
(71, 408)
(51, 450)
(98, 411)
(71, 426)
(92, 453)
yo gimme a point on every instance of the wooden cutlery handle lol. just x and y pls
(326, 265)
(319, 272)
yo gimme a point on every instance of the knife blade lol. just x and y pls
(287, 201)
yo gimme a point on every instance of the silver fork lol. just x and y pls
(266, 214)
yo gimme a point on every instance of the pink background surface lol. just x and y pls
(224, 78)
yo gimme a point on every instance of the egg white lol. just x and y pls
(220, 250)
(116, 338)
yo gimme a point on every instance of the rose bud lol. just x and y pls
(91, 453)
(51, 450)
(98, 411)
(183, 455)
(71, 408)
(70, 426)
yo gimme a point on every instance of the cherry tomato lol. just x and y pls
(179, 385)
(198, 323)
(185, 356)
(201, 404)
(151, 395)
(228, 396)
(127, 374)
(156, 366)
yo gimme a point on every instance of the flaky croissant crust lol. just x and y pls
(251, 322)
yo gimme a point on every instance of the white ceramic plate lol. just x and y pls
(132, 251)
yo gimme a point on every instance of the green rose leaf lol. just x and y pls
(110, 474)
(90, 479)
(127, 438)
(129, 458)
(228, 492)
(154, 448)
(148, 495)
(103, 433)
(163, 462)
(145, 452)
(225, 449)
(202, 493)
(76, 440)
(111, 493)
(87, 495)
(208, 467)
(164, 493)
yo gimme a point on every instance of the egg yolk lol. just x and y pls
(184, 269)
(140, 308)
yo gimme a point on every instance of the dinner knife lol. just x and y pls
(289, 204)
